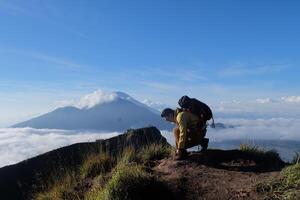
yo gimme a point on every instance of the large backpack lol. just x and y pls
(197, 107)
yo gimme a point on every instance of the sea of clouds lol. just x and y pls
(252, 129)
(17, 144)
(266, 118)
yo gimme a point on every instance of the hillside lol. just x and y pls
(139, 165)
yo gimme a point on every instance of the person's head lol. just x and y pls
(168, 114)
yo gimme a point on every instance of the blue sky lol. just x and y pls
(215, 50)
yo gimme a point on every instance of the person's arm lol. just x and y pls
(182, 125)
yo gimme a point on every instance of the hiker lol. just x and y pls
(190, 122)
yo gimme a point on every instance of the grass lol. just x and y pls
(96, 164)
(124, 182)
(286, 187)
(60, 189)
(155, 152)
(296, 158)
(131, 181)
(64, 186)
(120, 177)
(260, 155)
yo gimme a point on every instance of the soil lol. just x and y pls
(215, 178)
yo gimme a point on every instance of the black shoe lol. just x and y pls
(204, 144)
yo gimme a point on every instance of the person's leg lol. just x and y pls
(204, 141)
(176, 133)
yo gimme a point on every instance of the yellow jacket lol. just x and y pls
(186, 121)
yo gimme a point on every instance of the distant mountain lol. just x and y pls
(156, 105)
(119, 114)
(220, 126)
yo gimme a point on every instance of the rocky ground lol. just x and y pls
(197, 178)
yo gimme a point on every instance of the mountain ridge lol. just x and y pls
(118, 114)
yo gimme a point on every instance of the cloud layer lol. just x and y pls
(284, 107)
(17, 144)
(248, 129)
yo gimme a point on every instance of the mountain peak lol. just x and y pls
(102, 111)
(96, 98)
(99, 97)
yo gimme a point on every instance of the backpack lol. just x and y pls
(196, 107)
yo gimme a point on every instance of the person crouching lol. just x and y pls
(188, 132)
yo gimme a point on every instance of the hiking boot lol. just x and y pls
(181, 154)
(204, 144)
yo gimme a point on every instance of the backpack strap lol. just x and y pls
(213, 123)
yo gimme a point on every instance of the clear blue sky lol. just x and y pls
(215, 50)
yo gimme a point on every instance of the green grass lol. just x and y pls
(260, 155)
(124, 182)
(63, 186)
(155, 152)
(118, 177)
(286, 187)
(95, 165)
(130, 181)
(296, 158)
(61, 189)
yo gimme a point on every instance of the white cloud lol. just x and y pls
(260, 108)
(90, 100)
(274, 129)
(95, 98)
(291, 99)
(156, 105)
(242, 70)
(17, 144)
(248, 129)
(266, 100)
(286, 99)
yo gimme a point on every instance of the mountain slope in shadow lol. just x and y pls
(117, 115)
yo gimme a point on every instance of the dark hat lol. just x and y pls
(166, 112)
(184, 101)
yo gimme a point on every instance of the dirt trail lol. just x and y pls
(195, 179)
